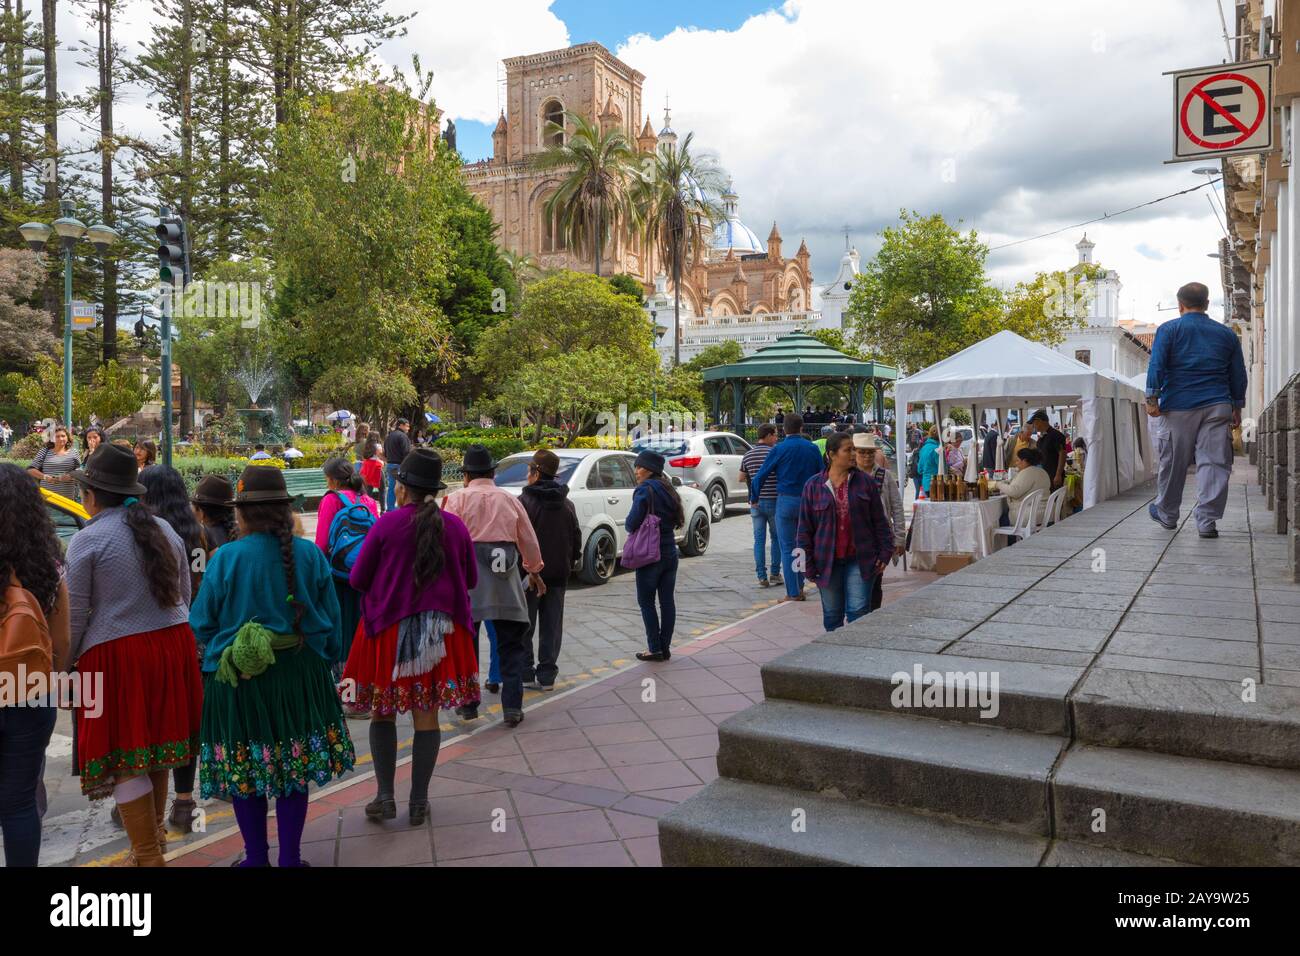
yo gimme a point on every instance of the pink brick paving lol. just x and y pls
(583, 781)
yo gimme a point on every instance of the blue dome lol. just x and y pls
(731, 233)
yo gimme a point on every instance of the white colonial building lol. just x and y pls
(835, 296)
(1103, 342)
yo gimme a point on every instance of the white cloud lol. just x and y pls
(1017, 117)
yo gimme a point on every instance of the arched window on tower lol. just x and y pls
(552, 112)
(552, 240)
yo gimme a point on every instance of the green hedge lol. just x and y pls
(498, 445)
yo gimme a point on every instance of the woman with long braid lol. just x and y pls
(416, 650)
(269, 619)
(147, 720)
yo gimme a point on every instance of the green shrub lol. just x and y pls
(498, 445)
(25, 448)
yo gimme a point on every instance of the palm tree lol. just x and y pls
(594, 197)
(679, 212)
(522, 266)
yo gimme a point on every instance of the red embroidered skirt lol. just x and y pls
(145, 714)
(368, 675)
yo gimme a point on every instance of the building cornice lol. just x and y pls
(569, 54)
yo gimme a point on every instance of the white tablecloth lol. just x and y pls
(953, 527)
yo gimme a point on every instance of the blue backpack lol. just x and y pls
(348, 530)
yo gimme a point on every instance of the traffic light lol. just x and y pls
(171, 252)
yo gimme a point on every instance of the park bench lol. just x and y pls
(307, 485)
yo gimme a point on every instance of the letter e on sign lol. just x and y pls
(1223, 110)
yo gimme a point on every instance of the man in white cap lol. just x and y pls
(871, 460)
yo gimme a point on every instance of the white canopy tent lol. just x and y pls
(1006, 371)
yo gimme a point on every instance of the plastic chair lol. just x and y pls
(1052, 511)
(1024, 524)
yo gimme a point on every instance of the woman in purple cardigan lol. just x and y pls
(414, 571)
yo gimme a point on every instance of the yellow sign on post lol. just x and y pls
(83, 315)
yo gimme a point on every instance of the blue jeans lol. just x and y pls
(787, 526)
(763, 515)
(658, 579)
(390, 492)
(494, 662)
(846, 595)
(24, 735)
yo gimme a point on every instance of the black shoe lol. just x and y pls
(648, 656)
(492, 688)
(467, 713)
(382, 808)
(419, 812)
(514, 718)
(668, 655)
(1212, 533)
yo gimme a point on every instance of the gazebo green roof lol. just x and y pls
(801, 356)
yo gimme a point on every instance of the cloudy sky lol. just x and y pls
(1016, 117)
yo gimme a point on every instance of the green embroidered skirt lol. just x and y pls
(275, 733)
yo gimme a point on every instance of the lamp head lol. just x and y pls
(69, 229)
(36, 234)
(102, 237)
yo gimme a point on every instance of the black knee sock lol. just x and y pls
(383, 751)
(424, 754)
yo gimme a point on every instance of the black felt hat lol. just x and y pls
(213, 490)
(111, 468)
(422, 470)
(477, 461)
(260, 485)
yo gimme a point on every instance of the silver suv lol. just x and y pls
(709, 461)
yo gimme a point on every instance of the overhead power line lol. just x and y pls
(1106, 215)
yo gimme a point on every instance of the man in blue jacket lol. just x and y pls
(793, 460)
(1197, 383)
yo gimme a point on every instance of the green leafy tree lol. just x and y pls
(629, 286)
(679, 213)
(368, 389)
(924, 295)
(724, 353)
(562, 313)
(594, 198)
(574, 387)
(217, 333)
(837, 340)
(114, 392)
(41, 394)
(24, 328)
(360, 213)
(1045, 308)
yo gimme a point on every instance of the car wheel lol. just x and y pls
(599, 557)
(696, 541)
(717, 501)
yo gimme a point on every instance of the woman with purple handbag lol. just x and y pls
(652, 551)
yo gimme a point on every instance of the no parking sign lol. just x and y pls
(1223, 110)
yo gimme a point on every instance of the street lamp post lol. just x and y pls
(658, 331)
(69, 230)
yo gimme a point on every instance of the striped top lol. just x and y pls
(51, 463)
(749, 466)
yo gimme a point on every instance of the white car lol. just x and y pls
(600, 486)
(709, 461)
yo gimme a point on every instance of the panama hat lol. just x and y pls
(111, 468)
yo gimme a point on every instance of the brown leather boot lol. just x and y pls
(142, 827)
(160, 780)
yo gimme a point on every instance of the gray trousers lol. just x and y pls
(1202, 436)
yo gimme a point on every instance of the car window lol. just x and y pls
(513, 472)
(612, 471)
(738, 445)
(717, 445)
(65, 524)
(664, 445)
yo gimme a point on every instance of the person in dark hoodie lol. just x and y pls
(555, 521)
(655, 495)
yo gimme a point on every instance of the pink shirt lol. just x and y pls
(494, 514)
(329, 507)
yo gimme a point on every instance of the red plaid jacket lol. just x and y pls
(867, 521)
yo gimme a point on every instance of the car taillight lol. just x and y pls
(687, 462)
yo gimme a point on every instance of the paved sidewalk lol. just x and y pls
(583, 781)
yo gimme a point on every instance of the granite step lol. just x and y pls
(978, 773)
(1012, 694)
(1206, 812)
(734, 823)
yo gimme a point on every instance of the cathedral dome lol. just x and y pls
(732, 234)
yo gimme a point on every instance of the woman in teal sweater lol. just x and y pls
(269, 616)
(927, 464)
